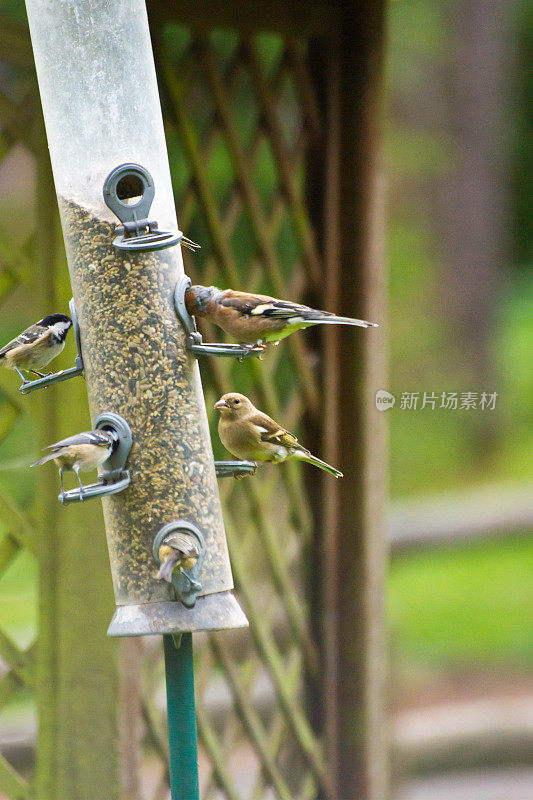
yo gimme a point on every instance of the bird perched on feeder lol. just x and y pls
(177, 552)
(34, 348)
(80, 453)
(248, 433)
(256, 318)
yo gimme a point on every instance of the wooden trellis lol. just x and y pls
(247, 122)
(267, 521)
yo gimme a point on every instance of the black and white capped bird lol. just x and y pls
(80, 453)
(37, 346)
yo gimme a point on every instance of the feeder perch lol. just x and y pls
(115, 477)
(65, 374)
(194, 341)
(235, 469)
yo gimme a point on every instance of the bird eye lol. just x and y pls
(237, 402)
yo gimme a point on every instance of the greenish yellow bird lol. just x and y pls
(249, 434)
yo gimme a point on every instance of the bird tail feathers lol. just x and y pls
(334, 320)
(167, 568)
(305, 455)
(49, 457)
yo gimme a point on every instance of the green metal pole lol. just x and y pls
(181, 718)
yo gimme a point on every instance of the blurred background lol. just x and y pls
(458, 165)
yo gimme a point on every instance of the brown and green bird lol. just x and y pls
(249, 434)
(257, 318)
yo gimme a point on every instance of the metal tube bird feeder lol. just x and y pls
(105, 133)
(107, 146)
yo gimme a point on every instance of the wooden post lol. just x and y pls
(354, 543)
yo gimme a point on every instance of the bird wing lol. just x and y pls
(32, 334)
(189, 244)
(183, 544)
(283, 309)
(258, 305)
(242, 302)
(272, 433)
(98, 438)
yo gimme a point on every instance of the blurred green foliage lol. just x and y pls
(523, 139)
(470, 606)
(464, 607)
(18, 609)
(432, 450)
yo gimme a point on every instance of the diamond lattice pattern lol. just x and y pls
(240, 116)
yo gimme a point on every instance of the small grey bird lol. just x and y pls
(34, 348)
(176, 552)
(80, 453)
(248, 433)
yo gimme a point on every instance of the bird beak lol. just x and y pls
(220, 404)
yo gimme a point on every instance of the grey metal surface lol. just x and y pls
(211, 612)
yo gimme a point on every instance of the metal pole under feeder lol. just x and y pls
(107, 146)
(181, 717)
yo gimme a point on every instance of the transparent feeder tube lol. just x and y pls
(101, 108)
(100, 100)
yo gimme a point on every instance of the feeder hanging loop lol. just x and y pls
(129, 192)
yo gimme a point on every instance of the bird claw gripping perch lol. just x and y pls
(115, 477)
(194, 341)
(185, 582)
(122, 187)
(64, 374)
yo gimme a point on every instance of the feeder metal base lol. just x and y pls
(212, 612)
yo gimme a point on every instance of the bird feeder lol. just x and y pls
(105, 133)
